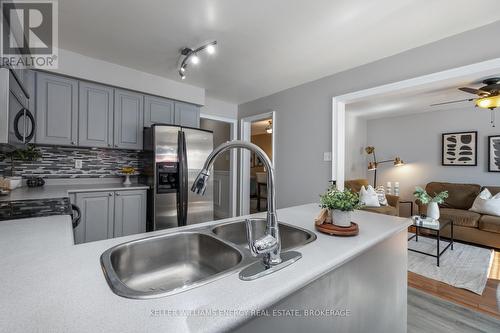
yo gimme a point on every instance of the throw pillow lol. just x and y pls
(368, 197)
(487, 204)
(380, 190)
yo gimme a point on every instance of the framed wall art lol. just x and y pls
(459, 149)
(494, 153)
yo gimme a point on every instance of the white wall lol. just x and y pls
(416, 139)
(303, 113)
(355, 157)
(217, 107)
(80, 66)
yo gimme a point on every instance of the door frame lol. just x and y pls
(245, 135)
(339, 103)
(233, 160)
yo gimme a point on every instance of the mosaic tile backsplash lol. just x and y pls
(58, 162)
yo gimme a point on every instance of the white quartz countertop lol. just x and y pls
(47, 284)
(60, 191)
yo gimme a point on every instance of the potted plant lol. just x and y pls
(431, 202)
(31, 153)
(340, 204)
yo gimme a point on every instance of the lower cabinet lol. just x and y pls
(110, 214)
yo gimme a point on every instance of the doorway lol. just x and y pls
(260, 130)
(224, 173)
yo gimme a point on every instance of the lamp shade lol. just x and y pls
(398, 161)
(489, 102)
(372, 166)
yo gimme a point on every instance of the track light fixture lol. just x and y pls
(191, 56)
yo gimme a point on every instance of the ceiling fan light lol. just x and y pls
(489, 102)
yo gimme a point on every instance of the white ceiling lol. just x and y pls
(418, 101)
(264, 46)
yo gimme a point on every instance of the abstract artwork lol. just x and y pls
(459, 149)
(494, 153)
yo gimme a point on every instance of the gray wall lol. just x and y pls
(417, 139)
(303, 113)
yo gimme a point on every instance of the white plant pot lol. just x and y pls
(433, 210)
(127, 181)
(341, 218)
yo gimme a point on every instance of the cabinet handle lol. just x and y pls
(110, 194)
(109, 144)
(117, 194)
(73, 143)
(116, 146)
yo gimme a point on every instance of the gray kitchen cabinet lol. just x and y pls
(130, 212)
(95, 115)
(96, 222)
(129, 119)
(187, 115)
(56, 110)
(110, 214)
(158, 111)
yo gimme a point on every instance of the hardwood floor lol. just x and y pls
(486, 303)
(427, 313)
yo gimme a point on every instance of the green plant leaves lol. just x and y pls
(345, 200)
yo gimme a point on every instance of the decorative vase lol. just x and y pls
(127, 181)
(341, 218)
(433, 210)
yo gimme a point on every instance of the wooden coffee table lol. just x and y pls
(436, 228)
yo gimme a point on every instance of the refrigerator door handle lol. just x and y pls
(180, 191)
(184, 178)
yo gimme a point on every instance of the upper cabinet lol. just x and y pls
(56, 110)
(129, 119)
(187, 115)
(72, 112)
(158, 111)
(95, 119)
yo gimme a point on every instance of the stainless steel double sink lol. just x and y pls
(163, 265)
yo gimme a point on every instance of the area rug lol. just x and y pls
(465, 267)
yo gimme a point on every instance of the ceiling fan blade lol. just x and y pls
(450, 102)
(490, 88)
(478, 92)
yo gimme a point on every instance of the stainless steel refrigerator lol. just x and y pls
(173, 156)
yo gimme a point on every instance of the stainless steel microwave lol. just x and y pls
(17, 122)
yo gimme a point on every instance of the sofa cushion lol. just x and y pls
(387, 210)
(490, 223)
(355, 184)
(493, 189)
(460, 196)
(461, 217)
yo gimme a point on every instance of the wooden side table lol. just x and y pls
(410, 202)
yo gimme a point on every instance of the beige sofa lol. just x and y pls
(392, 200)
(468, 226)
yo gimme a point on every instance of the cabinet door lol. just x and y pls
(97, 216)
(129, 119)
(130, 212)
(56, 110)
(95, 115)
(187, 115)
(158, 111)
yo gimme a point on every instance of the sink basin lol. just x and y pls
(291, 237)
(167, 264)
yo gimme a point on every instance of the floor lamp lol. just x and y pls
(373, 166)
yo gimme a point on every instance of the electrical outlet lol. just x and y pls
(78, 164)
(327, 156)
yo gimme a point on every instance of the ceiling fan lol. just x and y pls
(488, 96)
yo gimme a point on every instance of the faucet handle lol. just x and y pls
(263, 245)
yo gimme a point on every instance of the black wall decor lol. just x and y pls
(459, 149)
(494, 153)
